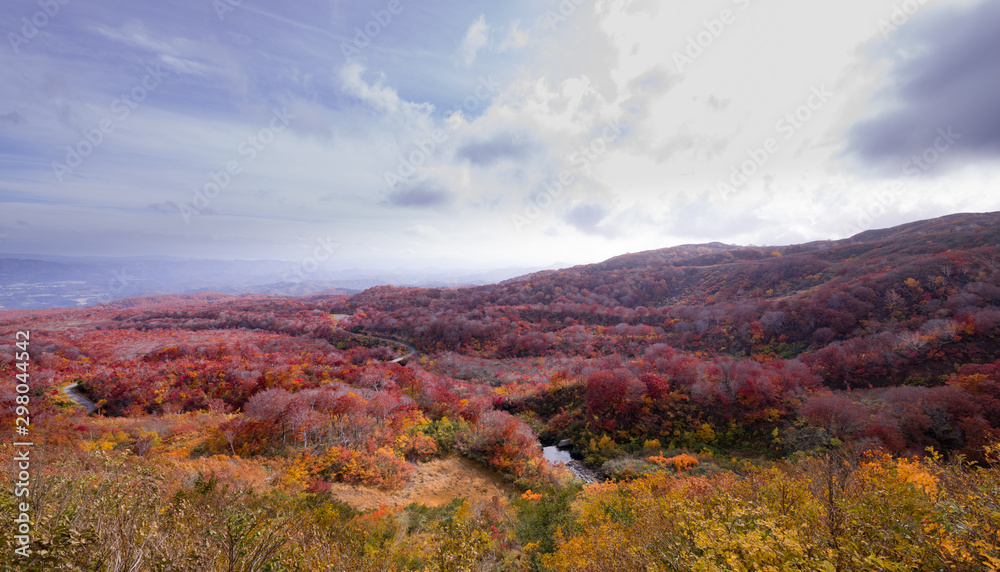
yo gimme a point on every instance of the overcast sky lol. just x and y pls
(487, 134)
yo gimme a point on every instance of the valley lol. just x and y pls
(398, 428)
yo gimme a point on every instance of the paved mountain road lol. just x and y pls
(76, 396)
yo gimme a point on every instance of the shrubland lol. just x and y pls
(830, 406)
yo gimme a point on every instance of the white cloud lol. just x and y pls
(183, 66)
(179, 54)
(476, 38)
(379, 96)
(515, 39)
(424, 231)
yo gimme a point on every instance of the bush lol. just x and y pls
(507, 445)
(679, 463)
(629, 468)
(381, 469)
(443, 431)
(600, 451)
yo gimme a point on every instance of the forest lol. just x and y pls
(828, 406)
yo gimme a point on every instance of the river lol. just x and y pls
(558, 456)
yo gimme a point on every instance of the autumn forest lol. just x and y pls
(828, 406)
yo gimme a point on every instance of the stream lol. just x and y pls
(558, 456)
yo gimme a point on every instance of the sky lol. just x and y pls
(393, 133)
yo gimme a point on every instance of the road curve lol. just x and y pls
(412, 349)
(338, 317)
(76, 396)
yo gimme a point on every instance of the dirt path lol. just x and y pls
(434, 484)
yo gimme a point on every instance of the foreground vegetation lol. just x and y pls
(832, 510)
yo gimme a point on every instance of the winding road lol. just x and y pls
(338, 317)
(412, 349)
(76, 396)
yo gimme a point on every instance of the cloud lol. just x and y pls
(586, 218)
(475, 39)
(717, 104)
(176, 53)
(311, 117)
(424, 231)
(164, 207)
(516, 39)
(172, 208)
(651, 185)
(183, 66)
(10, 119)
(700, 220)
(419, 196)
(944, 72)
(377, 95)
(489, 152)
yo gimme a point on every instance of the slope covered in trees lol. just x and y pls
(756, 405)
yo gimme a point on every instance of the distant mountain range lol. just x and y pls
(38, 282)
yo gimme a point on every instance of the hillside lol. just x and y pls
(922, 281)
(686, 372)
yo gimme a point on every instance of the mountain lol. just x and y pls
(404, 418)
(31, 282)
(922, 281)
